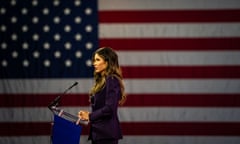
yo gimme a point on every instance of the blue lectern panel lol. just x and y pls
(65, 132)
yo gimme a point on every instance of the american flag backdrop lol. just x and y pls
(180, 62)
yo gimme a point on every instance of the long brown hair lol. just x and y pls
(113, 68)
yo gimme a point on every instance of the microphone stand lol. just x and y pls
(56, 101)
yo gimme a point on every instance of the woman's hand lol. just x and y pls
(83, 115)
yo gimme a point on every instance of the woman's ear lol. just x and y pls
(107, 64)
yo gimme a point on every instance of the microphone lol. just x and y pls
(57, 99)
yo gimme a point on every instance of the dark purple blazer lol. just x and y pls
(104, 123)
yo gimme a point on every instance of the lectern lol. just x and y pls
(66, 127)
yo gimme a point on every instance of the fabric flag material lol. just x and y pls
(180, 62)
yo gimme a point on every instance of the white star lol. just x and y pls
(56, 2)
(68, 45)
(89, 63)
(14, 37)
(35, 20)
(45, 11)
(24, 28)
(88, 11)
(4, 45)
(35, 37)
(36, 54)
(13, 19)
(4, 63)
(24, 11)
(77, 2)
(56, 20)
(88, 28)
(2, 10)
(67, 11)
(3, 28)
(14, 54)
(25, 45)
(78, 54)
(89, 45)
(78, 20)
(46, 28)
(68, 63)
(57, 54)
(13, 2)
(47, 63)
(46, 45)
(34, 2)
(57, 37)
(78, 37)
(25, 63)
(67, 28)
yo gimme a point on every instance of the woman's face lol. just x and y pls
(99, 64)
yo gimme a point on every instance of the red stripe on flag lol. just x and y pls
(28, 129)
(182, 128)
(183, 100)
(138, 128)
(181, 72)
(42, 100)
(136, 16)
(170, 44)
(140, 100)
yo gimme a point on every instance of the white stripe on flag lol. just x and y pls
(133, 140)
(181, 86)
(135, 86)
(131, 114)
(37, 86)
(180, 58)
(168, 30)
(166, 4)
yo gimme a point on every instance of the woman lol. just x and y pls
(105, 96)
